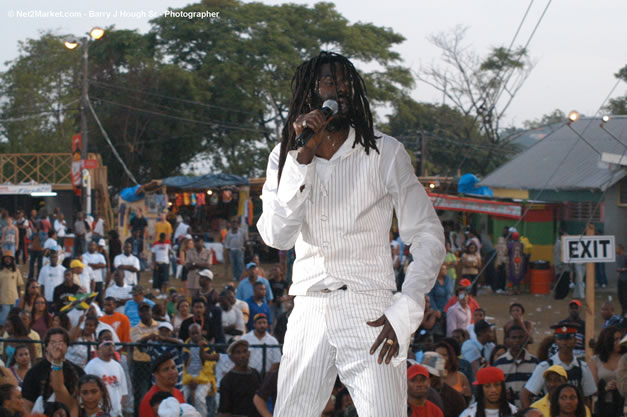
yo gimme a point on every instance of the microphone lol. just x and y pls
(329, 108)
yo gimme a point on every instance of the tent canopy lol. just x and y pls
(204, 182)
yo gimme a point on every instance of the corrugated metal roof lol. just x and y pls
(563, 161)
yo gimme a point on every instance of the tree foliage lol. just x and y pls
(619, 105)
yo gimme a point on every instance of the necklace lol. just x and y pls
(332, 142)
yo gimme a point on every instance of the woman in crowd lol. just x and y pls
(497, 351)
(451, 261)
(11, 400)
(94, 398)
(454, 378)
(78, 354)
(41, 317)
(15, 329)
(10, 236)
(62, 321)
(471, 261)
(186, 244)
(442, 290)
(567, 401)
(603, 366)
(27, 302)
(21, 363)
(182, 313)
(517, 312)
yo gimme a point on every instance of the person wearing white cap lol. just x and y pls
(166, 343)
(170, 407)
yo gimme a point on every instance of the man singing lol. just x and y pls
(333, 199)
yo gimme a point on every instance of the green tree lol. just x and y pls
(247, 58)
(619, 105)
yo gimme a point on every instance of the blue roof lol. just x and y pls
(204, 182)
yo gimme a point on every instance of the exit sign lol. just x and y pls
(584, 249)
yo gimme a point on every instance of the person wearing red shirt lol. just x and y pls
(166, 375)
(472, 303)
(417, 390)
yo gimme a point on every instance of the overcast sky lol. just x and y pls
(578, 46)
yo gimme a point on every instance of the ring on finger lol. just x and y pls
(304, 124)
(389, 342)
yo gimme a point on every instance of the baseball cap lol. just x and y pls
(557, 369)
(574, 302)
(489, 375)
(250, 265)
(206, 273)
(259, 316)
(102, 243)
(76, 263)
(465, 283)
(166, 325)
(416, 369)
(235, 344)
(435, 363)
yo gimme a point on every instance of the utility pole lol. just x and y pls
(84, 134)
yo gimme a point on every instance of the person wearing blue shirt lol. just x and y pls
(257, 304)
(245, 288)
(442, 290)
(131, 308)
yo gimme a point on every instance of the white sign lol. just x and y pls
(22, 189)
(584, 249)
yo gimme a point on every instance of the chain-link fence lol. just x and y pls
(137, 359)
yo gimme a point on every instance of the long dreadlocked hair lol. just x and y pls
(305, 99)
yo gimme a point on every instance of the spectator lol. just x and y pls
(140, 365)
(62, 375)
(607, 313)
(452, 400)
(21, 364)
(128, 263)
(80, 354)
(450, 261)
(166, 375)
(94, 397)
(491, 395)
(477, 315)
(417, 388)
(182, 229)
(603, 367)
(257, 305)
(97, 263)
(196, 259)
(245, 287)
(554, 377)
(281, 323)
(516, 312)
(517, 262)
(117, 320)
(115, 247)
(81, 227)
(131, 308)
(51, 276)
(11, 400)
(234, 242)
(239, 385)
(166, 343)
(182, 313)
(574, 307)
(205, 290)
(241, 305)
(28, 299)
(477, 352)
(453, 377)
(567, 401)
(199, 316)
(110, 371)
(621, 269)
(459, 315)
(472, 303)
(181, 270)
(259, 336)
(139, 223)
(497, 351)
(60, 228)
(502, 262)
(517, 364)
(471, 263)
(163, 226)
(159, 398)
(119, 291)
(232, 319)
(578, 372)
(23, 228)
(279, 286)
(621, 371)
(15, 329)
(83, 276)
(199, 379)
(442, 290)
(27, 319)
(41, 317)
(10, 237)
(98, 228)
(11, 284)
(161, 251)
(64, 290)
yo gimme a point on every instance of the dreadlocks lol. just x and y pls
(305, 99)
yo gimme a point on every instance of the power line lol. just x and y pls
(40, 114)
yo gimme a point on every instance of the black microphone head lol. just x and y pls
(329, 107)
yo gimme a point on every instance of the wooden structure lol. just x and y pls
(55, 169)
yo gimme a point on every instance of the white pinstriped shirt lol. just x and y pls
(339, 224)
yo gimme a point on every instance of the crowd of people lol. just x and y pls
(83, 337)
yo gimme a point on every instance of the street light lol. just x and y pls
(573, 116)
(71, 44)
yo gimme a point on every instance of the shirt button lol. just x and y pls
(323, 217)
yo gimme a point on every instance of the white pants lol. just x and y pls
(200, 397)
(327, 335)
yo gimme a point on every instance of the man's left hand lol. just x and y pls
(387, 337)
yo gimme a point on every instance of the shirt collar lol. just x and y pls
(346, 149)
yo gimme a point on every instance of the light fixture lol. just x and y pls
(432, 186)
(605, 118)
(573, 116)
(43, 194)
(71, 43)
(96, 33)
(209, 192)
